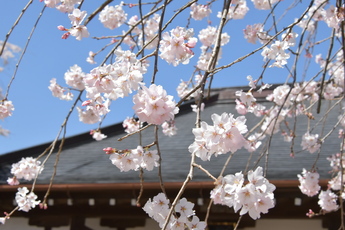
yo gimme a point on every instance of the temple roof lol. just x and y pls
(82, 160)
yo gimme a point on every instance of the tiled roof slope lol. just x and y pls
(83, 161)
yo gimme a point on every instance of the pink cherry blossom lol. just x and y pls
(254, 198)
(153, 105)
(113, 16)
(6, 108)
(26, 200)
(198, 11)
(131, 125)
(169, 128)
(309, 183)
(97, 135)
(328, 201)
(311, 142)
(27, 168)
(74, 77)
(176, 47)
(225, 135)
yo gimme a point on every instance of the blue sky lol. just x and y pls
(38, 115)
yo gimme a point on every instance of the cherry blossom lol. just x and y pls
(113, 16)
(26, 200)
(328, 201)
(176, 47)
(6, 108)
(77, 30)
(97, 135)
(331, 18)
(158, 209)
(309, 183)
(169, 128)
(90, 59)
(253, 32)
(238, 9)
(198, 11)
(115, 80)
(264, 4)
(131, 125)
(225, 135)
(74, 77)
(88, 116)
(65, 6)
(195, 108)
(310, 142)
(208, 36)
(27, 168)
(254, 198)
(58, 91)
(153, 105)
(13, 181)
(277, 52)
(134, 159)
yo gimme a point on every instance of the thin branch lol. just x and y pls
(14, 25)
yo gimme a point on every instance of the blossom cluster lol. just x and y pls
(65, 6)
(74, 77)
(25, 199)
(158, 209)
(97, 135)
(6, 108)
(175, 47)
(131, 125)
(254, 32)
(146, 36)
(113, 16)
(311, 142)
(102, 84)
(78, 30)
(309, 183)
(288, 102)
(318, 13)
(254, 198)
(199, 12)
(328, 199)
(169, 128)
(208, 38)
(225, 135)
(185, 88)
(27, 168)
(237, 10)
(334, 87)
(153, 105)
(264, 4)
(277, 53)
(134, 159)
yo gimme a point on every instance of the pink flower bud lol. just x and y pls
(62, 28)
(43, 206)
(65, 35)
(109, 150)
(88, 102)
